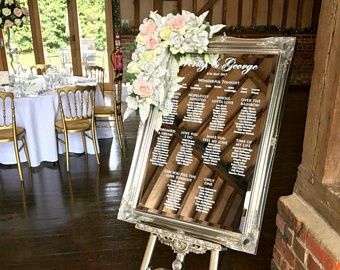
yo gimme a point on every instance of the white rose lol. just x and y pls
(6, 11)
(133, 68)
(17, 22)
(140, 39)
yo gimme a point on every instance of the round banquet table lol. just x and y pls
(37, 114)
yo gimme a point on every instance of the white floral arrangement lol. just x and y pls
(162, 46)
(12, 14)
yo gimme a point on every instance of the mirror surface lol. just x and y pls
(201, 163)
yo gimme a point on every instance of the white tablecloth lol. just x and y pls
(38, 115)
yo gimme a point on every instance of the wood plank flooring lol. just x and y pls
(61, 221)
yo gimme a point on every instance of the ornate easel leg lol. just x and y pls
(178, 263)
(148, 252)
(214, 259)
(181, 244)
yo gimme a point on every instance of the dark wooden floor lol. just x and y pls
(57, 221)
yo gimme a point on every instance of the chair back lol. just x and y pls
(96, 72)
(76, 102)
(40, 68)
(117, 87)
(7, 111)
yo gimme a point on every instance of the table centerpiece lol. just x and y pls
(11, 15)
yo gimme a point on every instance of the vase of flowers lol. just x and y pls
(11, 14)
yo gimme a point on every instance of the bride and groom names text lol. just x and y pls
(229, 64)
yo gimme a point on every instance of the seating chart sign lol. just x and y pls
(206, 171)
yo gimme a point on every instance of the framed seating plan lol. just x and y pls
(206, 172)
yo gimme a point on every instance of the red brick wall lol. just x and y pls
(296, 247)
(302, 66)
(303, 62)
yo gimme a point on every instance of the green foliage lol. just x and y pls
(92, 21)
(128, 77)
(22, 37)
(53, 20)
(116, 15)
(54, 25)
(131, 47)
(178, 56)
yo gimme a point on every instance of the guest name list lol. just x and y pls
(216, 103)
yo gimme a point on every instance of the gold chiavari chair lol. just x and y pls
(113, 112)
(96, 72)
(40, 68)
(9, 132)
(76, 106)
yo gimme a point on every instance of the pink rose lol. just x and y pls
(8, 23)
(17, 12)
(177, 22)
(151, 42)
(148, 28)
(142, 88)
(24, 11)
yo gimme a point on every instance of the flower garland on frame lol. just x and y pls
(162, 46)
(12, 14)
